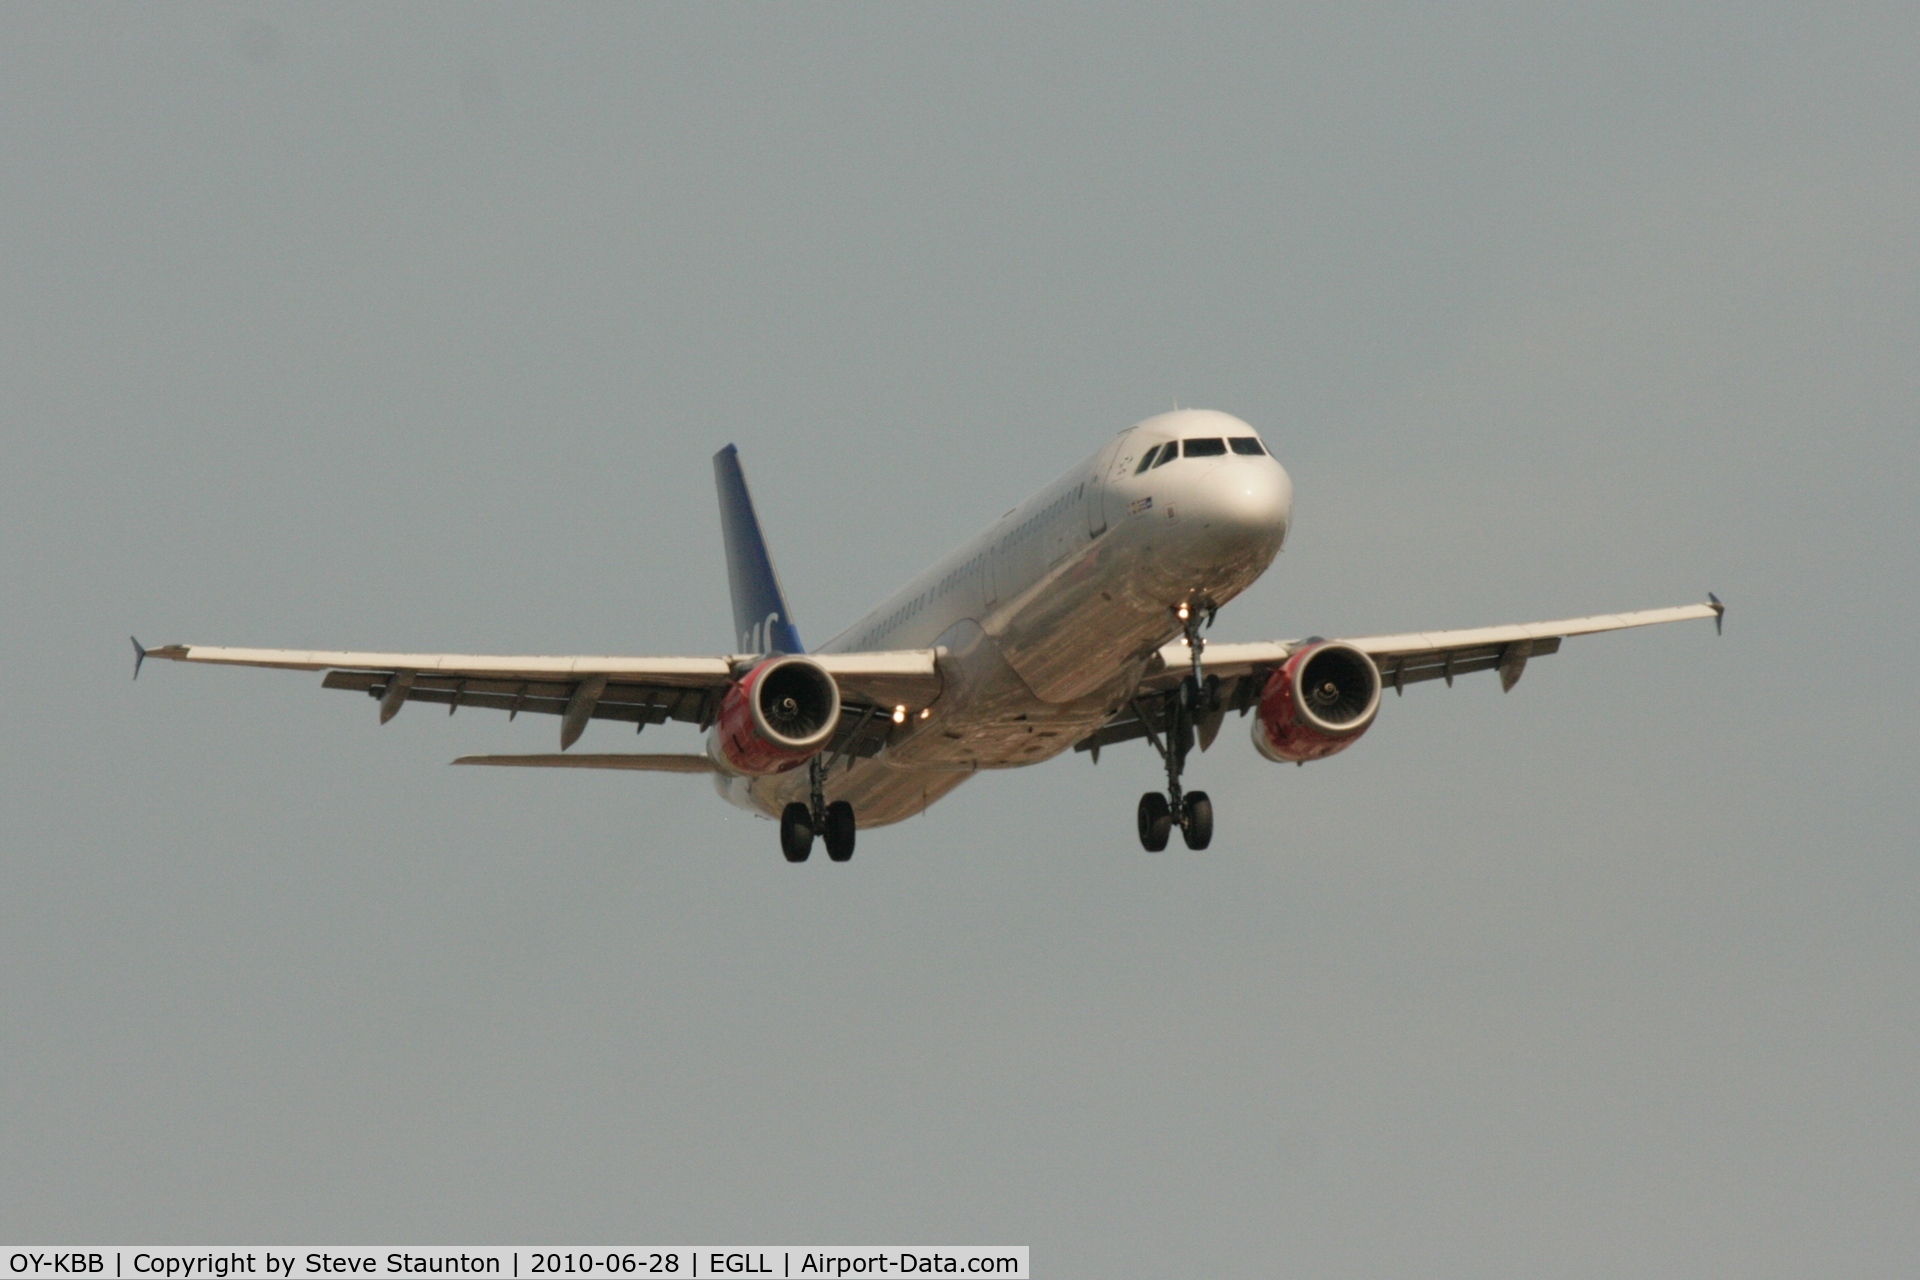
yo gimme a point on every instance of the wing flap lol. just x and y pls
(634, 703)
(649, 762)
(1400, 670)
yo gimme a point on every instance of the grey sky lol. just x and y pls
(415, 328)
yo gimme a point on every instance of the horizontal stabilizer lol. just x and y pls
(654, 762)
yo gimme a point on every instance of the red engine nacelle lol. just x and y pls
(1319, 702)
(777, 716)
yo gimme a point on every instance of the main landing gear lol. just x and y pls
(800, 822)
(1192, 811)
(1155, 817)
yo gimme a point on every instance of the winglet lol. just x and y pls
(139, 656)
(1719, 612)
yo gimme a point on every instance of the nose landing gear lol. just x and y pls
(1181, 710)
(800, 822)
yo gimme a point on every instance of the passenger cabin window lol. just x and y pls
(1247, 445)
(1146, 459)
(1168, 452)
(1209, 448)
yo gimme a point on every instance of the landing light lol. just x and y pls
(927, 712)
(1181, 613)
(899, 715)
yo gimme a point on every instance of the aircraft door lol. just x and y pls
(1096, 497)
(1119, 465)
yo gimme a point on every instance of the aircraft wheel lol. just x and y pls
(1156, 822)
(1197, 823)
(796, 832)
(839, 832)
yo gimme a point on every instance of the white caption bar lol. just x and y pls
(682, 1262)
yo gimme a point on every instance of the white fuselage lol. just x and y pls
(1045, 623)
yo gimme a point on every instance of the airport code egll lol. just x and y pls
(685, 1262)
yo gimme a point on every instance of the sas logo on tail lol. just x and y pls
(760, 639)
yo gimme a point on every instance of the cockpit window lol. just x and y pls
(1146, 459)
(1208, 448)
(1168, 452)
(1247, 445)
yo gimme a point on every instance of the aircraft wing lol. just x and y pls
(1414, 656)
(1404, 659)
(641, 691)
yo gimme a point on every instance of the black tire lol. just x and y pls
(839, 832)
(796, 832)
(1198, 824)
(1156, 822)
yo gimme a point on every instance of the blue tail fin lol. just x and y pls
(761, 620)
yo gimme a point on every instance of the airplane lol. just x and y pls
(1075, 621)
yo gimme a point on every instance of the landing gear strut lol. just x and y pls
(1182, 709)
(801, 821)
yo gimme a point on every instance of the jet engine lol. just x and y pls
(1319, 702)
(777, 716)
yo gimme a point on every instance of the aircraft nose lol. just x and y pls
(1249, 499)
